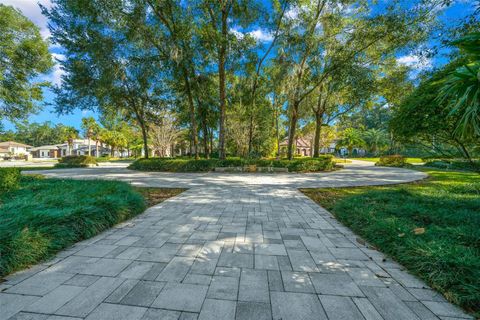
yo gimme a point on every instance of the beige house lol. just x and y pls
(303, 147)
(51, 151)
(4, 152)
(15, 148)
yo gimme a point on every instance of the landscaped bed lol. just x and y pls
(42, 216)
(446, 253)
(323, 163)
(76, 162)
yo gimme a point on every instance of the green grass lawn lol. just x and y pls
(447, 205)
(47, 215)
(409, 160)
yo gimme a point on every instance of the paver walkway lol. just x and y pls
(231, 247)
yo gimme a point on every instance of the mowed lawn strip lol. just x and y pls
(447, 205)
(409, 160)
(47, 215)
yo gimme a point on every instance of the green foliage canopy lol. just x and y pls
(24, 56)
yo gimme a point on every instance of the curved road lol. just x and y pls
(233, 246)
(357, 173)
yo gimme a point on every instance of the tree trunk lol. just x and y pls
(145, 139)
(277, 132)
(467, 155)
(292, 129)
(96, 148)
(193, 121)
(318, 131)
(205, 139)
(211, 139)
(89, 147)
(221, 74)
(250, 135)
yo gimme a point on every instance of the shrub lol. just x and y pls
(9, 179)
(76, 162)
(392, 161)
(323, 163)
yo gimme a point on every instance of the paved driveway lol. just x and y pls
(358, 173)
(234, 246)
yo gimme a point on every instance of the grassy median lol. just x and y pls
(445, 253)
(44, 216)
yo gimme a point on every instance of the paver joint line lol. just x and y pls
(233, 246)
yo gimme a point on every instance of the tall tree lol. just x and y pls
(107, 67)
(24, 56)
(461, 89)
(90, 129)
(430, 124)
(223, 16)
(173, 35)
(347, 32)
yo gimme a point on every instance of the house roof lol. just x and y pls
(92, 147)
(13, 144)
(299, 143)
(47, 147)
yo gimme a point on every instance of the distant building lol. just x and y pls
(15, 148)
(4, 152)
(302, 147)
(51, 151)
(78, 147)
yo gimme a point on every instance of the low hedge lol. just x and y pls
(76, 162)
(453, 164)
(392, 161)
(323, 163)
(9, 179)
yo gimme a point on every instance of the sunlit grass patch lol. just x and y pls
(446, 205)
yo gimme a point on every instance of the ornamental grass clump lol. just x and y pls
(392, 161)
(9, 179)
(76, 162)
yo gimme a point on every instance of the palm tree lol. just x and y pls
(69, 134)
(351, 139)
(461, 88)
(375, 139)
(90, 128)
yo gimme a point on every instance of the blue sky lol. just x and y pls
(30, 8)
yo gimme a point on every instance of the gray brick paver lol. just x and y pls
(90, 298)
(233, 246)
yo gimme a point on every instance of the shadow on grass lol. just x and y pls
(447, 205)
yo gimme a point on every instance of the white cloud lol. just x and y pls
(292, 13)
(31, 9)
(261, 35)
(415, 61)
(237, 33)
(56, 74)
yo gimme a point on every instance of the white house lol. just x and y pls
(78, 147)
(15, 148)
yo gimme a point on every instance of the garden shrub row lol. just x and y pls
(44, 216)
(76, 162)
(453, 164)
(392, 161)
(323, 163)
